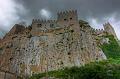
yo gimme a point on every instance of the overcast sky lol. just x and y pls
(96, 12)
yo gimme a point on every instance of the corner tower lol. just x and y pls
(109, 29)
(68, 18)
(42, 26)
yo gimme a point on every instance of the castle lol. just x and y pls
(50, 45)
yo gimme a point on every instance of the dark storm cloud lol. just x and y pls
(95, 8)
(96, 12)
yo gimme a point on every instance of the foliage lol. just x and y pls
(111, 50)
(96, 70)
(114, 60)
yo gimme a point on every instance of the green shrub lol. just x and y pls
(111, 50)
(97, 70)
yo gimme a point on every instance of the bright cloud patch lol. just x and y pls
(95, 23)
(45, 14)
(9, 10)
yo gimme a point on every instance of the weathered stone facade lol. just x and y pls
(49, 45)
(110, 30)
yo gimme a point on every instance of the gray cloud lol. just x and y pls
(10, 12)
(96, 12)
(85, 7)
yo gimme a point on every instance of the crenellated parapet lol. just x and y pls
(98, 31)
(64, 13)
(42, 21)
(67, 15)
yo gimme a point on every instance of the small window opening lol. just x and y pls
(65, 19)
(70, 18)
(39, 25)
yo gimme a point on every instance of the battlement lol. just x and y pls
(107, 24)
(67, 14)
(70, 12)
(98, 32)
(42, 21)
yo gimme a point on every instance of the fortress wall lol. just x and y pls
(42, 26)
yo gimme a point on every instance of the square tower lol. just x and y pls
(68, 19)
(109, 29)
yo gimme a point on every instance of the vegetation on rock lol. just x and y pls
(111, 50)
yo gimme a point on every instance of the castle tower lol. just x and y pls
(42, 26)
(109, 29)
(68, 18)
